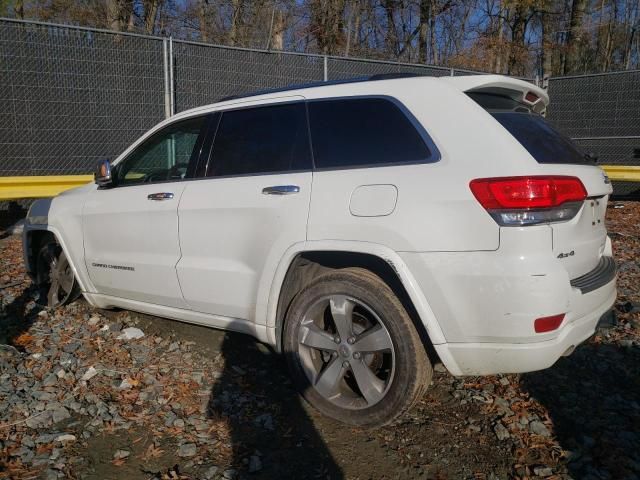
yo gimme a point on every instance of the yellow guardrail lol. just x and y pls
(15, 188)
(622, 173)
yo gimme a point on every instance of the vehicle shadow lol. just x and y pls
(15, 318)
(593, 400)
(272, 435)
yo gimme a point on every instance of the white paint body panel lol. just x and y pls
(218, 253)
(231, 233)
(131, 243)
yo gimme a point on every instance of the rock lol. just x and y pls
(187, 450)
(130, 333)
(71, 347)
(502, 403)
(504, 381)
(89, 374)
(94, 320)
(51, 474)
(174, 346)
(255, 464)
(43, 396)
(170, 417)
(543, 471)
(66, 438)
(229, 474)
(539, 428)
(501, 431)
(179, 423)
(265, 420)
(440, 368)
(61, 373)
(60, 414)
(125, 384)
(50, 380)
(120, 454)
(210, 472)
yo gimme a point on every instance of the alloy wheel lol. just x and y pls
(346, 352)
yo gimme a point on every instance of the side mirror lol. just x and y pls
(103, 174)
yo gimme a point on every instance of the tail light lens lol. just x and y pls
(548, 324)
(514, 201)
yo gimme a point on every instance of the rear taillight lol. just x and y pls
(514, 201)
(548, 324)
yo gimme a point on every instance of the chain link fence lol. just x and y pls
(71, 95)
(601, 113)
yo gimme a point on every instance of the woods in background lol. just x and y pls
(516, 37)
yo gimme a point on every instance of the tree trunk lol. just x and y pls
(236, 22)
(574, 36)
(202, 17)
(548, 45)
(425, 22)
(433, 49)
(278, 31)
(391, 35)
(634, 26)
(501, 14)
(19, 9)
(150, 14)
(114, 15)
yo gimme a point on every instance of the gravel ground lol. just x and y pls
(82, 397)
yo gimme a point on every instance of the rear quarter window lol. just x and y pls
(352, 132)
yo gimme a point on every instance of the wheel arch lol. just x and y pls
(34, 236)
(304, 263)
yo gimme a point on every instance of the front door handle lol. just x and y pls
(281, 190)
(160, 196)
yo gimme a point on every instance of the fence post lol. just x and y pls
(167, 93)
(326, 71)
(453, 73)
(172, 85)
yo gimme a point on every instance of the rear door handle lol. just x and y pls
(281, 190)
(160, 196)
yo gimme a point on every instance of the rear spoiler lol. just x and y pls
(525, 92)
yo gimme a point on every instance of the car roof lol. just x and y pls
(385, 83)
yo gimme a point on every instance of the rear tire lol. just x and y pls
(373, 376)
(54, 276)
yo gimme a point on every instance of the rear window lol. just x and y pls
(543, 142)
(363, 131)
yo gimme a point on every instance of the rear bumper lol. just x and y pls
(492, 358)
(486, 302)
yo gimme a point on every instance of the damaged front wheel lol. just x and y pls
(54, 276)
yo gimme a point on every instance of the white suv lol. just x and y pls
(363, 228)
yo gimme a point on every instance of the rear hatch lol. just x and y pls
(580, 241)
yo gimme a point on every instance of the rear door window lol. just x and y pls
(352, 132)
(266, 139)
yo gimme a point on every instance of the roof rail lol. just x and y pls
(379, 76)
